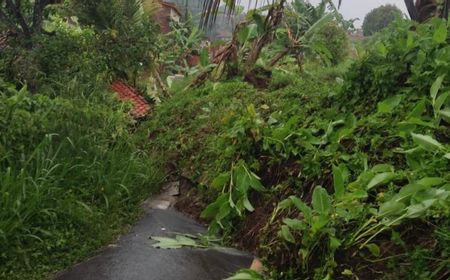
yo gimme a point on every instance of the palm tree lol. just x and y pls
(304, 14)
(211, 8)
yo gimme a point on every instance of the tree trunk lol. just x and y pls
(279, 56)
(422, 10)
(446, 7)
(160, 83)
(14, 10)
(38, 14)
(412, 10)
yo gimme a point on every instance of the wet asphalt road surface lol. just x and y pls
(133, 257)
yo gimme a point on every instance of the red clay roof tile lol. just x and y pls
(127, 93)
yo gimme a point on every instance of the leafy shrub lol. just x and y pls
(128, 36)
(335, 40)
(407, 58)
(74, 54)
(70, 53)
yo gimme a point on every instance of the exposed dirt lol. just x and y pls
(190, 201)
(249, 232)
(260, 78)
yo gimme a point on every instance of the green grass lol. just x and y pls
(72, 177)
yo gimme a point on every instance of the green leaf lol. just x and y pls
(284, 204)
(440, 100)
(391, 208)
(321, 201)
(381, 179)
(417, 121)
(213, 209)
(221, 180)
(431, 181)
(319, 222)
(347, 272)
(447, 156)
(418, 210)
(381, 48)
(335, 243)
(287, 235)
(373, 249)
(255, 183)
(224, 211)
(338, 181)
(295, 224)
(305, 209)
(407, 192)
(440, 34)
(356, 194)
(426, 142)
(418, 110)
(248, 205)
(445, 114)
(410, 40)
(241, 178)
(436, 87)
(379, 168)
(174, 243)
(388, 105)
(317, 25)
(243, 35)
(246, 274)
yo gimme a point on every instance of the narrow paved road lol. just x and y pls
(133, 257)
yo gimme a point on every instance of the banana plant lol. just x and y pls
(296, 36)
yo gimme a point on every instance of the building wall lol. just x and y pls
(164, 16)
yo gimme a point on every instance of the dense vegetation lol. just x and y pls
(325, 158)
(71, 169)
(328, 180)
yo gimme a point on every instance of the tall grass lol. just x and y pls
(71, 176)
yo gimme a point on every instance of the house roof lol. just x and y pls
(171, 6)
(127, 93)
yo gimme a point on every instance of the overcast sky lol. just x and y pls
(355, 8)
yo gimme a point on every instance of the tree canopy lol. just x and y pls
(23, 17)
(380, 18)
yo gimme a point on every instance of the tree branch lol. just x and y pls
(279, 56)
